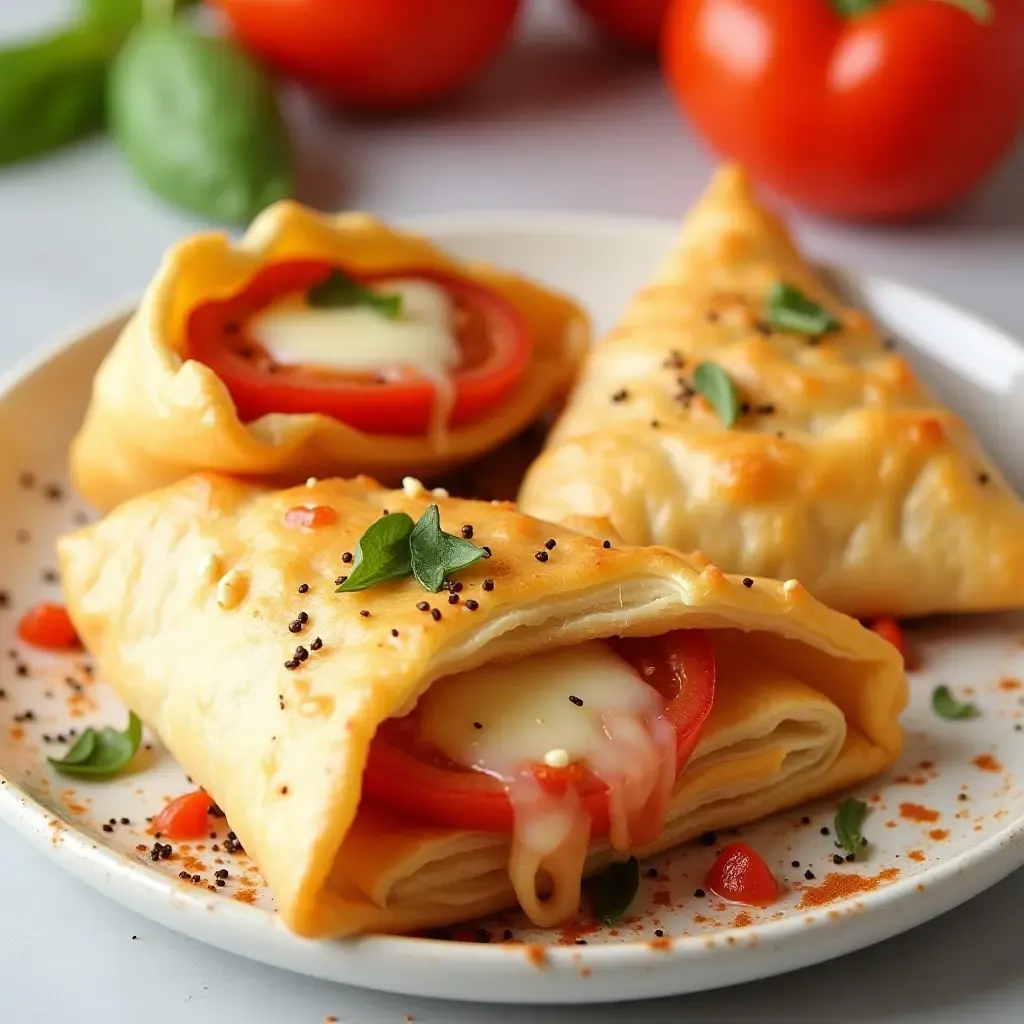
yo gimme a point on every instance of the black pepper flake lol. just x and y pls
(764, 410)
(659, 933)
(794, 864)
(550, 543)
(303, 588)
(232, 845)
(455, 586)
(384, 512)
(394, 632)
(483, 935)
(221, 873)
(961, 796)
(764, 328)
(346, 557)
(478, 725)
(284, 791)
(220, 883)
(108, 828)
(824, 830)
(486, 550)
(837, 858)
(506, 934)
(699, 893)
(541, 556)
(215, 811)
(983, 478)
(488, 584)
(805, 820)
(850, 858)
(744, 408)
(302, 617)
(184, 876)
(316, 644)
(22, 670)
(747, 582)
(340, 579)
(365, 612)
(5, 602)
(809, 875)
(606, 544)
(467, 532)
(621, 395)
(295, 627)
(422, 606)
(50, 576)
(652, 872)
(25, 716)
(709, 839)
(53, 492)
(301, 653)
(1018, 727)
(578, 701)
(453, 598)
(472, 605)
(889, 343)
(435, 614)
(290, 664)
(125, 821)
(27, 480)
(674, 360)
(581, 942)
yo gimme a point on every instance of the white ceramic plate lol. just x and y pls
(945, 823)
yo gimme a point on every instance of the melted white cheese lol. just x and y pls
(359, 339)
(503, 718)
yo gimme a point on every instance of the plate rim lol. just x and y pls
(97, 865)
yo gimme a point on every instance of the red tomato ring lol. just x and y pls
(394, 407)
(397, 779)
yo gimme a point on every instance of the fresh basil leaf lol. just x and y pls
(945, 705)
(615, 889)
(980, 10)
(382, 553)
(436, 554)
(122, 16)
(717, 387)
(849, 819)
(789, 310)
(341, 290)
(100, 753)
(197, 118)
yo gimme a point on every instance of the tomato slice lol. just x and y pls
(184, 817)
(740, 875)
(48, 626)
(680, 665)
(492, 334)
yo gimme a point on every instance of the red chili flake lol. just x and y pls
(304, 517)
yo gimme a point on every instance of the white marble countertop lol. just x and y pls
(557, 125)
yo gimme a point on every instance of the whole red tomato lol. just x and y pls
(375, 53)
(891, 112)
(634, 22)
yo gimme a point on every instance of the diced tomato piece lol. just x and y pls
(889, 629)
(49, 626)
(184, 817)
(741, 876)
(302, 516)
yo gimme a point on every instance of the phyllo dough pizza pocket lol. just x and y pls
(416, 709)
(741, 410)
(321, 345)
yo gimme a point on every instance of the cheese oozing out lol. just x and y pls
(359, 338)
(582, 704)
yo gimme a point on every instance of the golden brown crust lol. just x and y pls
(844, 472)
(185, 597)
(155, 418)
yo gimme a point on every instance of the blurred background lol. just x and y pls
(118, 138)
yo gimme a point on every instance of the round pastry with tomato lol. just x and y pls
(321, 345)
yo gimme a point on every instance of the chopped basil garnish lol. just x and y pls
(435, 553)
(945, 705)
(789, 310)
(849, 819)
(980, 10)
(382, 553)
(717, 387)
(393, 548)
(615, 889)
(100, 753)
(341, 290)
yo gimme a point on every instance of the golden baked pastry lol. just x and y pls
(840, 469)
(192, 601)
(237, 352)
